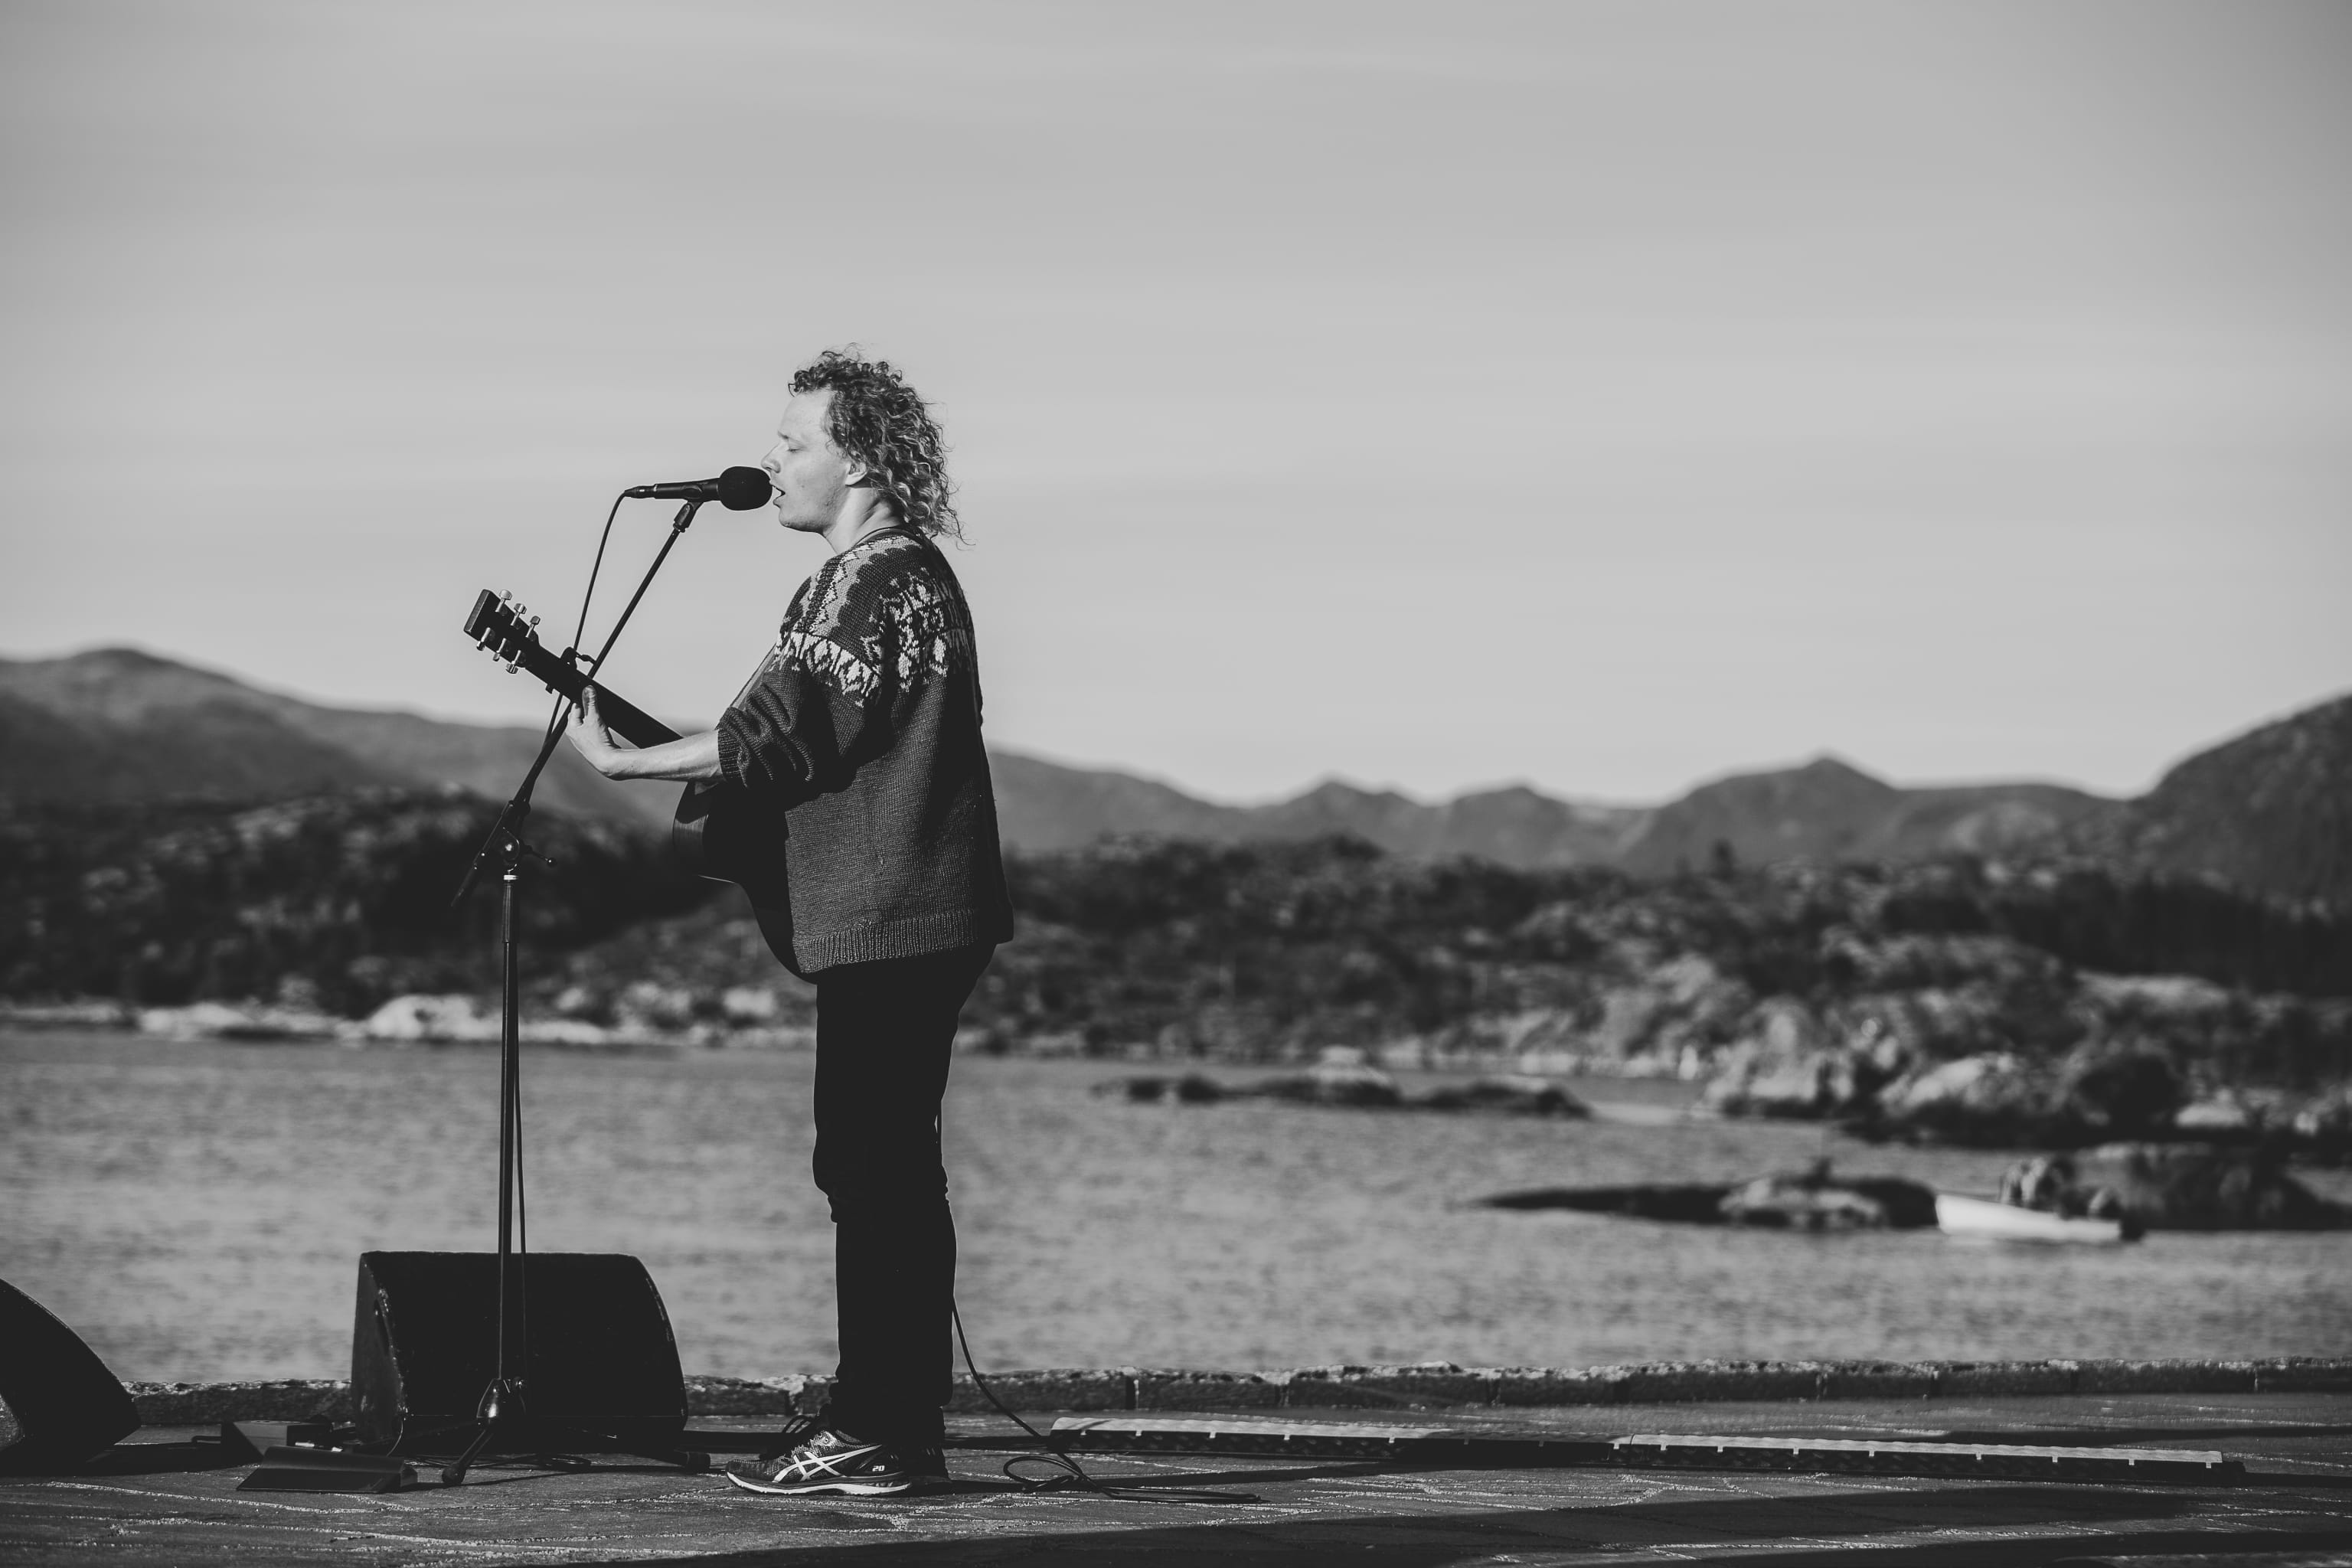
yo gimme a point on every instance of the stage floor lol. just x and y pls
(142, 1506)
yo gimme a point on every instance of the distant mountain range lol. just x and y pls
(118, 724)
(1826, 809)
(1046, 806)
(2271, 809)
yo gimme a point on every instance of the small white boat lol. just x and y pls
(1981, 1219)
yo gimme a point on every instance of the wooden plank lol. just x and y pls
(1428, 1445)
(2008, 1461)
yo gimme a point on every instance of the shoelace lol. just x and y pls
(798, 1430)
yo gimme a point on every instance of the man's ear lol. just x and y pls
(858, 478)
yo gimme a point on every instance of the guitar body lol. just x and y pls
(717, 831)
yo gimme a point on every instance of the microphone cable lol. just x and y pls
(579, 631)
(554, 722)
(1064, 1471)
(602, 539)
(573, 654)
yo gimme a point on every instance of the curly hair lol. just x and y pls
(877, 420)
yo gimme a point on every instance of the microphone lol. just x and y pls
(737, 490)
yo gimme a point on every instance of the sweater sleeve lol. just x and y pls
(808, 718)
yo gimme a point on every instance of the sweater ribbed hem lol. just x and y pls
(911, 937)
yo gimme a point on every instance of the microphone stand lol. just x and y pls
(504, 1405)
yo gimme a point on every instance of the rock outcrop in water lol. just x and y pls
(1815, 1200)
(1810, 1200)
(1351, 1084)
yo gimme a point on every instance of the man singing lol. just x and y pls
(860, 734)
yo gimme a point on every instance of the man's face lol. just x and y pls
(812, 477)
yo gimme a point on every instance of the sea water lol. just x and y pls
(196, 1211)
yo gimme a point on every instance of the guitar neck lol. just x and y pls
(621, 716)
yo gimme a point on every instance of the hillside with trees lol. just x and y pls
(1812, 942)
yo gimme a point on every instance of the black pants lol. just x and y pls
(883, 1034)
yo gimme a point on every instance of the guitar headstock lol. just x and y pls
(502, 626)
(508, 632)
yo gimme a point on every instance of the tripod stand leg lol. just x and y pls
(455, 1474)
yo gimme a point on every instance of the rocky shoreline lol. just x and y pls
(432, 1019)
(2114, 1089)
(2027, 1002)
(1429, 1384)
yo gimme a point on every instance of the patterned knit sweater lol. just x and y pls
(861, 728)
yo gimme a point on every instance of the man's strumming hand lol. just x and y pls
(588, 736)
(692, 757)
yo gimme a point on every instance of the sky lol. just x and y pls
(1599, 396)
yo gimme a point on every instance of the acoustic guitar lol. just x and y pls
(717, 831)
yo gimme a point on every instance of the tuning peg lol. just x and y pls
(534, 620)
(510, 669)
(506, 598)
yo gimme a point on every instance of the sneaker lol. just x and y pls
(926, 1465)
(830, 1463)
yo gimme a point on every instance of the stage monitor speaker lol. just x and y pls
(601, 1375)
(69, 1408)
